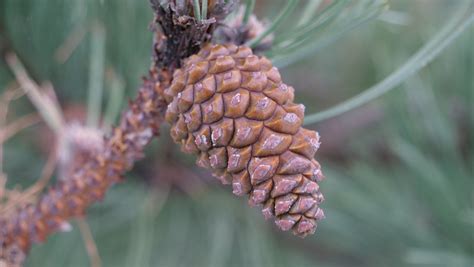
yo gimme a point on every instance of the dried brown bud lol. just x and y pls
(231, 108)
(238, 32)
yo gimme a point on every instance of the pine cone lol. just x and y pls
(231, 108)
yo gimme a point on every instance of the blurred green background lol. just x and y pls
(399, 188)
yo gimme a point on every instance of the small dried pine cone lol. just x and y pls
(231, 108)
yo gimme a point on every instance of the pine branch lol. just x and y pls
(71, 197)
(138, 125)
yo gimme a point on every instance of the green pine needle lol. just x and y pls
(450, 32)
(285, 12)
(197, 10)
(325, 34)
(96, 75)
(308, 30)
(249, 6)
(204, 9)
(309, 11)
(114, 99)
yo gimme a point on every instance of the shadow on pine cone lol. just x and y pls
(231, 108)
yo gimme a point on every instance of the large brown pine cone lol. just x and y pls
(231, 108)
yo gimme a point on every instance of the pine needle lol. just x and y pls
(96, 75)
(197, 10)
(46, 106)
(89, 242)
(450, 32)
(285, 12)
(204, 10)
(249, 6)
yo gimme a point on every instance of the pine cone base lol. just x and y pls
(231, 108)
